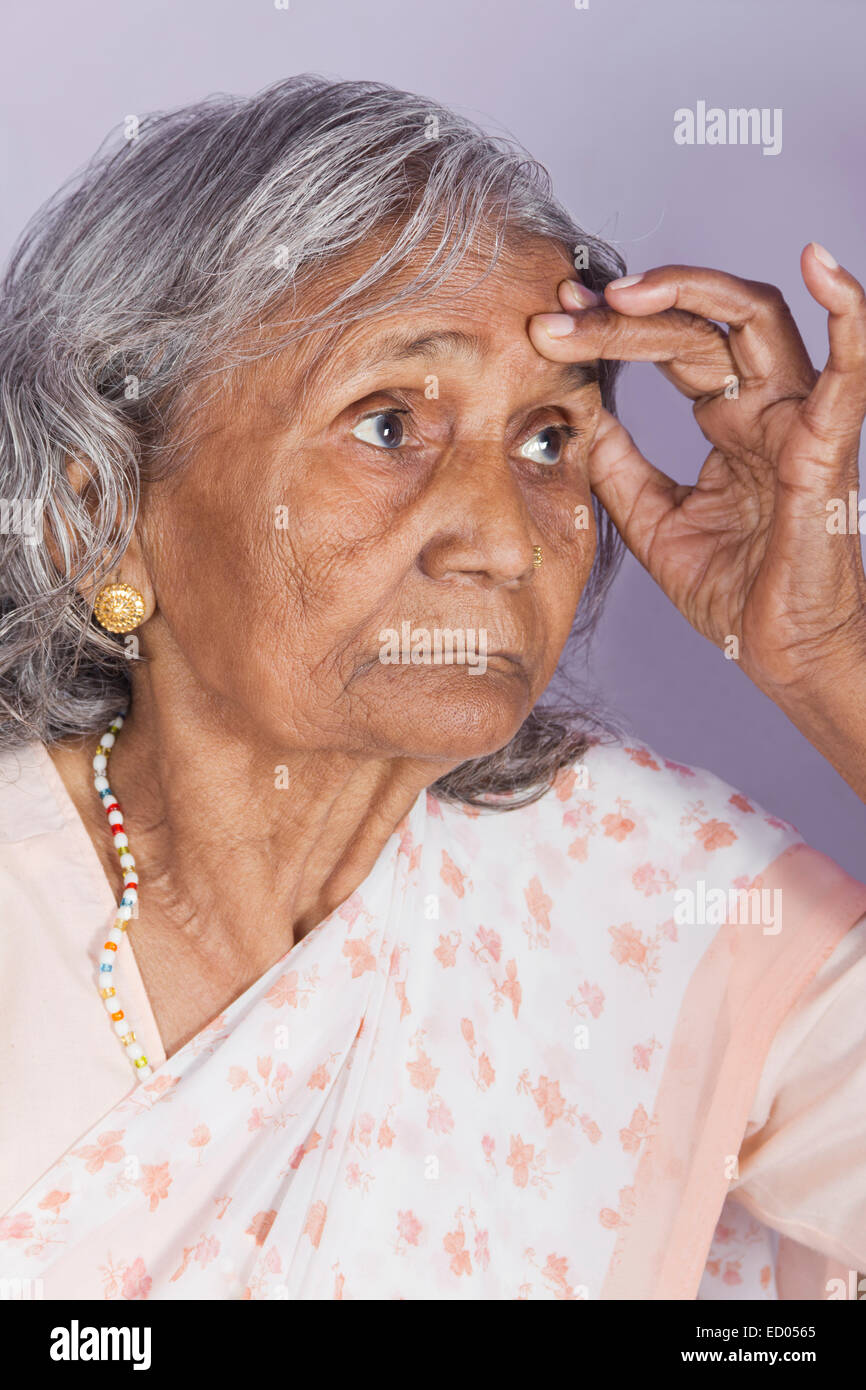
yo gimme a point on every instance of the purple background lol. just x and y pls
(592, 94)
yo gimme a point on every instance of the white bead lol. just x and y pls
(122, 1026)
(127, 861)
(115, 935)
(124, 913)
(121, 839)
(101, 784)
(134, 1051)
(131, 894)
(115, 818)
(107, 740)
(108, 958)
(112, 1004)
(117, 721)
(100, 762)
(144, 1073)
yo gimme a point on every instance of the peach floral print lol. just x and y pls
(293, 990)
(448, 1088)
(199, 1138)
(360, 954)
(539, 904)
(642, 1053)
(155, 1182)
(422, 1073)
(452, 877)
(712, 833)
(409, 1230)
(508, 989)
(446, 951)
(643, 757)
(487, 945)
(649, 880)
(107, 1149)
(591, 1000)
(130, 1281)
(636, 1131)
(315, 1223)
(618, 825)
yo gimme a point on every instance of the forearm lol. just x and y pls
(833, 718)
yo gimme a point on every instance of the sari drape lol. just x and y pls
(508, 1066)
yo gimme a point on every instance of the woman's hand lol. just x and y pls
(751, 550)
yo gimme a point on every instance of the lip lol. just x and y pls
(510, 665)
(513, 658)
(504, 659)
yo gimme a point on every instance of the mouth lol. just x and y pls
(507, 662)
(475, 654)
(498, 661)
(512, 660)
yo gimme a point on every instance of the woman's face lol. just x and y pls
(406, 484)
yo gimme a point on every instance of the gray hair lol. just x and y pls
(133, 280)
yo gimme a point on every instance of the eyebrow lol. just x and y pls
(399, 347)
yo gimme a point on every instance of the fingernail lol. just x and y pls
(555, 325)
(824, 256)
(625, 283)
(580, 296)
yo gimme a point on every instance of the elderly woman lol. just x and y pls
(335, 965)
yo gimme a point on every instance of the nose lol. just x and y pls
(486, 535)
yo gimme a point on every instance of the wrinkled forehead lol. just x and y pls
(479, 310)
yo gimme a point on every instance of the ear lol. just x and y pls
(129, 569)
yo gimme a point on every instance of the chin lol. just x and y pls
(445, 713)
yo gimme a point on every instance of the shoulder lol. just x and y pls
(702, 809)
(38, 856)
(29, 805)
(37, 844)
(626, 809)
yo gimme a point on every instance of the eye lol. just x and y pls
(547, 445)
(383, 429)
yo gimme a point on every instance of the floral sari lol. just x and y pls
(525, 1060)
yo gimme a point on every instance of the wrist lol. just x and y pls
(831, 672)
(829, 709)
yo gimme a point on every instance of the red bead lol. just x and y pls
(113, 807)
(117, 829)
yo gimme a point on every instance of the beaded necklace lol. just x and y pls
(129, 897)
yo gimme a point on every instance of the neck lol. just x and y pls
(241, 846)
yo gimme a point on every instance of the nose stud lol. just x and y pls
(536, 555)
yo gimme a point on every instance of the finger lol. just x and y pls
(574, 294)
(602, 332)
(634, 493)
(765, 339)
(691, 352)
(837, 404)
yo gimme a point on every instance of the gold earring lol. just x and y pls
(118, 608)
(536, 555)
